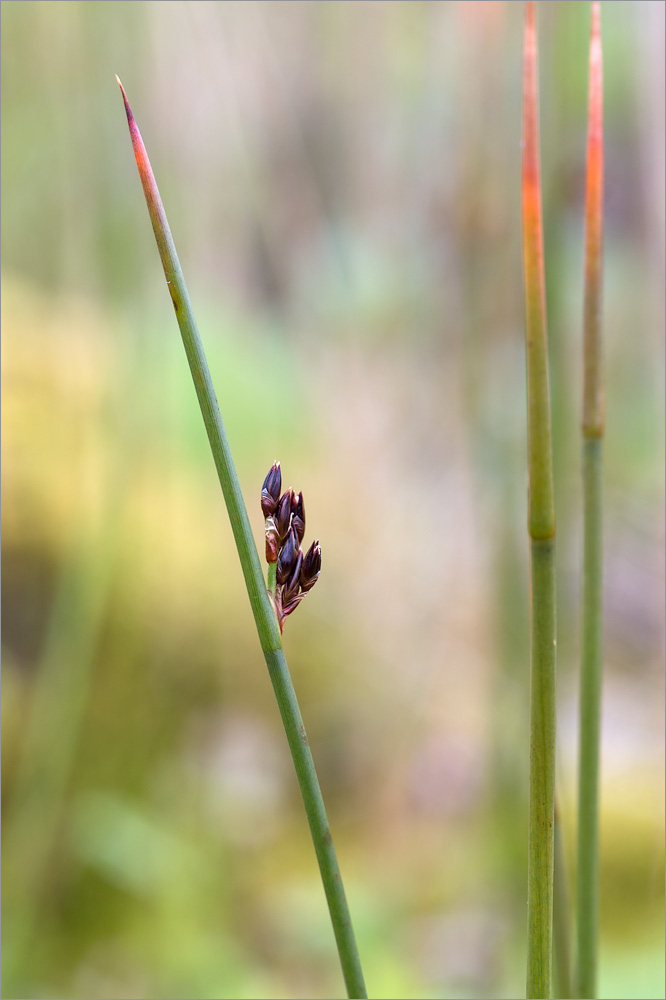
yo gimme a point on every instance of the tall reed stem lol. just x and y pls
(541, 527)
(592, 612)
(264, 616)
(561, 921)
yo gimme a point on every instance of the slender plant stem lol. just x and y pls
(542, 770)
(590, 722)
(541, 528)
(587, 894)
(264, 616)
(272, 577)
(561, 933)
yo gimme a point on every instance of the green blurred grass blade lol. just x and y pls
(51, 741)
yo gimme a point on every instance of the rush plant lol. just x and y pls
(292, 573)
(592, 611)
(291, 585)
(541, 523)
(541, 529)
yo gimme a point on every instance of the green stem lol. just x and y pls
(590, 720)
(272, 578)
(593, 431)
(561, 932)
(267, 626)
(542, 769)
(541, 529)
(319, 828)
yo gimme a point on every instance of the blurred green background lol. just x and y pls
(342, 182)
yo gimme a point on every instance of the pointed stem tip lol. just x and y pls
(156, 211)
(128, 110)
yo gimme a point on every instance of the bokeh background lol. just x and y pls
(342, 181)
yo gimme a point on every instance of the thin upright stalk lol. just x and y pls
(587, 881)
(264, 615)
(541, 528)
(561, 922)
(587, 903)
(542, 770)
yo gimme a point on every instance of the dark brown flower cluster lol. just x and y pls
(285, 527)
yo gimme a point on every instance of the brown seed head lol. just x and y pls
(298, 515)
(270, 491)
(283, 515)
(289, 606)
(311, 567)
(284, 607)
(287, 557)
(290, 589)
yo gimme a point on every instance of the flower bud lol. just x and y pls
(290, 589)
(289, 607)
(270, 491)
(298, 515)
(272, 543)
(287, 557)
(284, 607)
(283, 515)
(311, 567)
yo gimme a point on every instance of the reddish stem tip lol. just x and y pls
(128, 110)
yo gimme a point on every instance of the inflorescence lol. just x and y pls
(296, 574)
